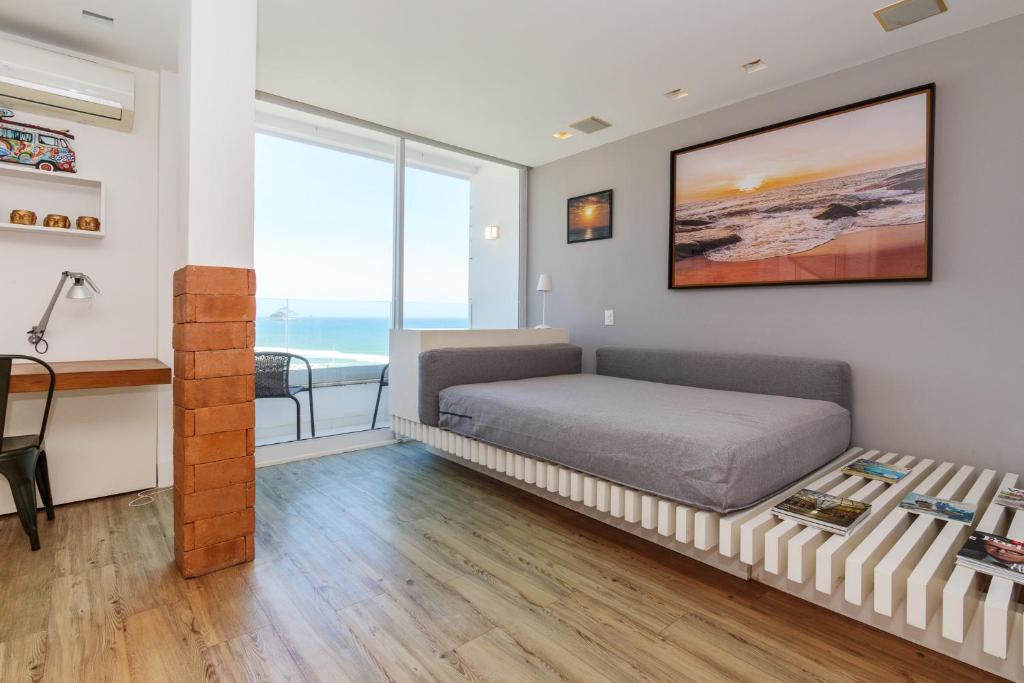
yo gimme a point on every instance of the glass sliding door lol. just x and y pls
(461, 241)
(323, 257)
(436, 253)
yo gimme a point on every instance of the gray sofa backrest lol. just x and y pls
(443, 368)
(824, 380)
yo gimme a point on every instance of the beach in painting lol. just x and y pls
(829, 199)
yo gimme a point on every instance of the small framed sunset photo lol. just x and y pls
(844, 195)
(589, 217)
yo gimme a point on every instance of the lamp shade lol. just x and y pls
(79, 291)
(544, 283)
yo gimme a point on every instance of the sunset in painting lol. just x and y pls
(590, 217)
(839, 197)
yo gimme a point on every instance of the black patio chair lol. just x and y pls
(23, 458)
(380, 387)
(273, 380)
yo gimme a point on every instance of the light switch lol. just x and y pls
(609, 317)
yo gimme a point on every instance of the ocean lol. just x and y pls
(339, 341)
(792, 219)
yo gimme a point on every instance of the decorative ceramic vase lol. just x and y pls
(23, 217)
(56, 220)
(90, 223)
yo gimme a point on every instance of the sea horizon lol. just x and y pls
(337, 341)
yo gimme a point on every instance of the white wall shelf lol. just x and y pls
(45, 192)
(67, 232)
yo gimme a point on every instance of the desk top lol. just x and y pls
(90, 374)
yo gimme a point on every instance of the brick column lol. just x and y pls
(214, 417)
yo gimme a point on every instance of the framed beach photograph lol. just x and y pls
(589, 217)
(844, 195)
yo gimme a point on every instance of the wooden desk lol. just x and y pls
(90, 374)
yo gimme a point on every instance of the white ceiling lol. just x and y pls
(501, 77)
(144, 32)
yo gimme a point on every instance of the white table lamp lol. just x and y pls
(543, 286)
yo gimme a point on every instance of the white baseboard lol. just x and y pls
(277, 454)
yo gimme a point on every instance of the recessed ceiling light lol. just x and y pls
(676, 94)
(589, 125)
(906, 12)
(756, 65)
(562, 135)
(97, 17)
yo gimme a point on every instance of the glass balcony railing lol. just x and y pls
(346, 345)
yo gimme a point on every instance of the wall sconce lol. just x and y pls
(492, 232)
(78, 291)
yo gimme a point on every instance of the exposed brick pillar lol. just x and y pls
(214, 417)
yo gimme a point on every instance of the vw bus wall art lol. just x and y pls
(26, 143)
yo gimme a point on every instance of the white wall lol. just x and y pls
(216, 126)
(938, 367)
(494, 264)
(105, 438)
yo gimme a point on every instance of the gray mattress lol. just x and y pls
(712, 449)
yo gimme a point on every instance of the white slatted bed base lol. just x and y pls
(1002, 608)
(892, 571)
(962, 593)
(684, 529)
(895, 571)
(924, 586)
(859, 573)
(776, 540)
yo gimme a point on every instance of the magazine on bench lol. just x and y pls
(872, 469)
(1010, 498)
(949, 510)
(823, 511)
(993, 555)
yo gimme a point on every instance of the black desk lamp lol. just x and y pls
(78, 291)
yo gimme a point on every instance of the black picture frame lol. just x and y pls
(580, 198)
(928, 88)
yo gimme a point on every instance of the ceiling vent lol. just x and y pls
(589, 125)
(906, 12)
(754, 66)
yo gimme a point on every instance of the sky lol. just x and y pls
(324, 223)
(872, 138)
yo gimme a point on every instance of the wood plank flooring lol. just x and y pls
(393, 565)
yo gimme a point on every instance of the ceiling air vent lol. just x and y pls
(906, 12)
(589, 125)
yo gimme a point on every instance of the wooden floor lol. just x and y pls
(392, 564)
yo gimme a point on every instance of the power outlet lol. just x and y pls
(609, 317)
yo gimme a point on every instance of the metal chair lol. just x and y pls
(23, 458)
(273, 380)
(380, 387)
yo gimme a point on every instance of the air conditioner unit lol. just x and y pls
(65, 86)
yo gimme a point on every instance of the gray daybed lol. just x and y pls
(715, 431)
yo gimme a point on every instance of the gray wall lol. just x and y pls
(937, 367)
